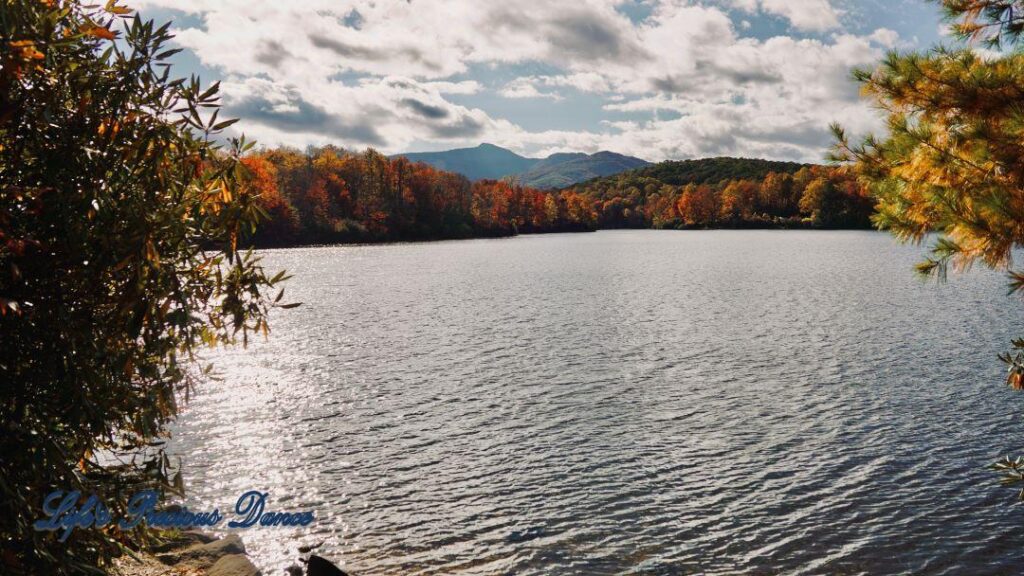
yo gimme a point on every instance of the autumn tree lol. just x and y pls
(661, 208)
(739, 200)
(776, 195)
(953, 159)
(699, 205)
(120, 222)
(822, 202)
(991, 22)
(280, 226)
(580, 214)
(326, 166)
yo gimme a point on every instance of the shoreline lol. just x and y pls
(190, 553)
(196, 553)
(510, 236)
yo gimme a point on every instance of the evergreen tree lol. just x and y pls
(953, 159)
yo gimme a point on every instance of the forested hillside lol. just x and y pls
(329, 195)
(728, 192)
(561, 170)
(711, 170)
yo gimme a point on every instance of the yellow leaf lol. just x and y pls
(99, 32)
(113, 8)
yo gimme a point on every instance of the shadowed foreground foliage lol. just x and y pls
(118, 230)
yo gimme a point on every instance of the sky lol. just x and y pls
(656, 79)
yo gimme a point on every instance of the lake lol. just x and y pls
(622, 402)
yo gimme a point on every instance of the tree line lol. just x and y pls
(813, 196)
(327, 194)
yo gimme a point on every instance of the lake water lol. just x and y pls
(622, 402)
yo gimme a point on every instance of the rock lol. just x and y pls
(318, 566)
(233, 565)
(204, 555)
(198, 536)
(310, 548)
(182, 540)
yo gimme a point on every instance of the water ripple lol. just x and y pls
(629, 402)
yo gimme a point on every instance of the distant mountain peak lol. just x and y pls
(566, 155)
(489, 161)
(562, 170)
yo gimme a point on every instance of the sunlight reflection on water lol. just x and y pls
(624, 402)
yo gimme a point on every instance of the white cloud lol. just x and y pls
(811, 15)
(385, 113)
(380, 74)
(885, 37)
(525, 87)
(816, 15)
(583, 81)
(463, 87)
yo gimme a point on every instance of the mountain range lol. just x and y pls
(488, 161)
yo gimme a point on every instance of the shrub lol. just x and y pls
(119, 219)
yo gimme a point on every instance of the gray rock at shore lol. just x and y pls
(205, 555)
(182, 540)
(233, 565)
(198, 536)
